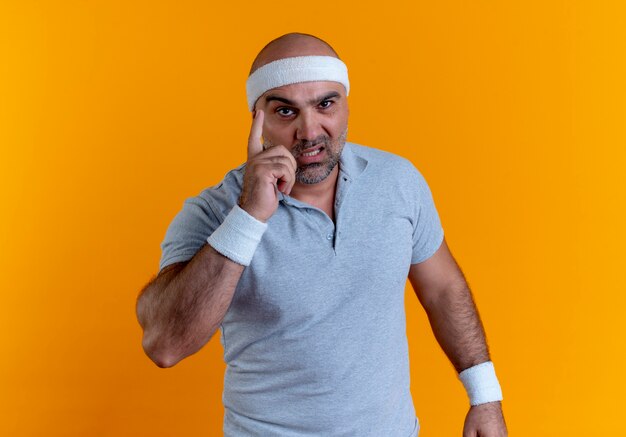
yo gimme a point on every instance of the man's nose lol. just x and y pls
(309, 127)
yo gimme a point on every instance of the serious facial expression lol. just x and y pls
(311, 120)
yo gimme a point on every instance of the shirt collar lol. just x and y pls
(351, 164)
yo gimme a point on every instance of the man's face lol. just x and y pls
(311, 120)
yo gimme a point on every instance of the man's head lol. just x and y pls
(310, 117)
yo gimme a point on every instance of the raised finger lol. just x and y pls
(254, 140)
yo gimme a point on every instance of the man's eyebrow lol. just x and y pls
(271, 97)
(330, 95)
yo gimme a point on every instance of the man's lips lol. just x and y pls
(311, 154)
(312, 149)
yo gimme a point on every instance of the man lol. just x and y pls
(309, 246)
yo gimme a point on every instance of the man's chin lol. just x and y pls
(314, 173)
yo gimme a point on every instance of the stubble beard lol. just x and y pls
(317, 171)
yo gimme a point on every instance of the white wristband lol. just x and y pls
(481, 383)
(238, 236)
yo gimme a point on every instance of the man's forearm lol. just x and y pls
(442, 290)
(456, 324)
(180, 315)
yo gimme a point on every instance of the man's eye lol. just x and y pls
(285, 112)
(326, 104)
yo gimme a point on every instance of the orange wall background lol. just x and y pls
(112, 113)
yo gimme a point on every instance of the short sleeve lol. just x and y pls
(427, 229)
(188, 232)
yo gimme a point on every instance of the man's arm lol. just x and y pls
(183, 306)
(442, 290)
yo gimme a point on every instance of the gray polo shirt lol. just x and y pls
(315, 336)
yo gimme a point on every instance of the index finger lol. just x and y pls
(254, 140)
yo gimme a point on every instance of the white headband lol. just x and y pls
(295, 70)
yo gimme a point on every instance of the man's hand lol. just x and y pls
(485, 420)
(267, 172)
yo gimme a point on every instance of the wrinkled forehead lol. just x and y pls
(304, 93)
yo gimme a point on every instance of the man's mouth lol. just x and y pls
(314, 152)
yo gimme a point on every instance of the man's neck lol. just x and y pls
(320, 195)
